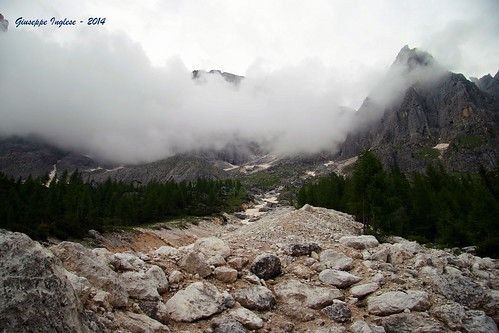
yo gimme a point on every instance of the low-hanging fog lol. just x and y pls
(101, 96)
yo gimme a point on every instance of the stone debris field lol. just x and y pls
(307, 270)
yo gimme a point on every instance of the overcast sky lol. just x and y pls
(117, 88)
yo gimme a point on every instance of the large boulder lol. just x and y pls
(336, 260)
(266, 266)
(128, 261)
(255, 298)
(165, 252)
(35, 294)
(296, 292)
(458, 318)
(398, 301)
(462, 290)
(145, 285)
(83, 262)
(211, 246)
(194, 263)
(199, 300)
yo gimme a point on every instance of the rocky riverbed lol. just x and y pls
(307, 270)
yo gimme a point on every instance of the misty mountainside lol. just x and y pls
(419, 114)
(438, 115)
(22, 157)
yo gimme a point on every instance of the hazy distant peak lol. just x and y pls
(4, 24)
(229, 77)
(413, 58)
(488, 84)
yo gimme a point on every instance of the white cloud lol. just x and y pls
(123, 90)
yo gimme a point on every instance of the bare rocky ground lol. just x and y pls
(307, 270)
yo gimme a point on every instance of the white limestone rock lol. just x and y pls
(337, 278)
(211, 246)
(296, 292)
(359, 242)
(364, 289)
(199, 300)
(397, 301)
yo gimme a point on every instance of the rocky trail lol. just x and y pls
(270, 268)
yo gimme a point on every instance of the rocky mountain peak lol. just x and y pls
(488, 84)
(413, 58)
(420, 105)
(229, 77)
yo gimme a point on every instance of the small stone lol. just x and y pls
(364, 289)
(228, 326)
(410, 323)
(361, 327)
(297, 250)
(216, 260)
(226, 274)
(246, 317)
(338, 311)
(175, 277)
(237, 262)
(359, 242)
(300, 271)
(338, 279)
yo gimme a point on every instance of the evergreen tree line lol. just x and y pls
(438, 207)
(69, 206)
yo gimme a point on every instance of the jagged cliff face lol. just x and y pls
(444, 109)
(488, 84)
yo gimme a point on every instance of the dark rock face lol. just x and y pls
(266, 266)
(35, 295)
(488, 84)
(443, 110)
